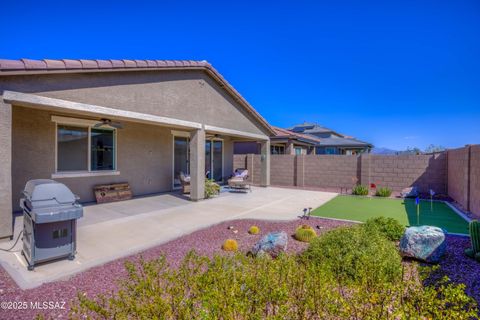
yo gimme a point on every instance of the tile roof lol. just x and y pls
(343, 142)
(311, 127)
(83, 64)
(284, 133)
(29, 66)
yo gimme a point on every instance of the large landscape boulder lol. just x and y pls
(272, 244)
(425, 243)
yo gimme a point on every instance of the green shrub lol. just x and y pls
(254, 230)
(356, 254)
(211, 188)
(360, 190)
(383, 192)
(239, 287)
(305, 233)
(389, 227)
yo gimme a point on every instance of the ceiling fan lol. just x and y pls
(107, 122)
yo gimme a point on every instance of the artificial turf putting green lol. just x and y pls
(362, 208)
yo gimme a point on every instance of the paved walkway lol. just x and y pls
(114, 230)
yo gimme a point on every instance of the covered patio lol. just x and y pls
(90, 123)
(114, 230)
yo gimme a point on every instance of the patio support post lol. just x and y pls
(5, 170)
(290, 149)
(265, 164)
(197, 165)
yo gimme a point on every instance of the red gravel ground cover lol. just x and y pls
(458, 267)
(104, 279)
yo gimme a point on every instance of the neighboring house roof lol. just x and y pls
(335, 139)
(287, 134)
(342, 142)
(48, 66)
(312, 128)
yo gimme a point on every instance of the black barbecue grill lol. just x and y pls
(50, 213)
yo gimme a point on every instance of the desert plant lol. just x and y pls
(474, 230)
(230, 245)
(305, 233)
(211, 188)
(389, 227)
(383, 192)
(360, 190)
(238, 287)
(254, 230)
(356, 254)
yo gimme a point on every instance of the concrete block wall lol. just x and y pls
(464, 177)
(475, 180)
(239, 161)
(330, 171)
(343, 172)
(282, 170)
(455, 172)
(458, 175)
(256, 168)
(399, 171)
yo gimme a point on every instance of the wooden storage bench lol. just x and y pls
(112, 192)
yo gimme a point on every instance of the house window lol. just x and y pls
(298, 151)
(277, 149)
(72, 148)
(83, 148)
(102, 148)
(329, 150)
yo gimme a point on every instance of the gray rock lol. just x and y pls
(425, 243)
(272, 244)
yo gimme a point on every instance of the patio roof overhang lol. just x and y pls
(40, 102)
(59, 105)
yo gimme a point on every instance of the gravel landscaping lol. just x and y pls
(458, 267)
(103, 279)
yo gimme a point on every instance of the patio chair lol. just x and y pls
(185, 182)
(238, 181)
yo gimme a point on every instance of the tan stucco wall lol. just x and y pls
(5, 170)
(144, 151)
(144, 156)
(186, 95)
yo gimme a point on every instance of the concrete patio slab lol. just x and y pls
(114, 230)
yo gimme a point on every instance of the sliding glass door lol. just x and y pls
(181, 159)
(217, 160)
(213, 159)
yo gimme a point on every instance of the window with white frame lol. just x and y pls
(83, 148)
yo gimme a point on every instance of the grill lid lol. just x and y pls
(46, 190)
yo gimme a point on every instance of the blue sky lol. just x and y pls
(394, 73)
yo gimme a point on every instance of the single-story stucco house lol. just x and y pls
(90, 122)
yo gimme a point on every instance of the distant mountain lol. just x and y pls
(384, 151)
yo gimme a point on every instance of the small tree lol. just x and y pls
(433, 148)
